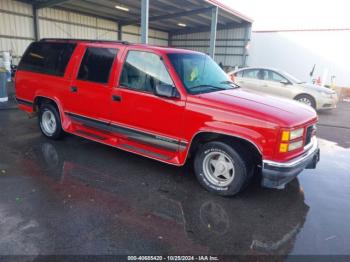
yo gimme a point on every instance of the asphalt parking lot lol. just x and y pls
(75, 196)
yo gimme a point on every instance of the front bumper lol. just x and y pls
(327, 103)
(278, 174)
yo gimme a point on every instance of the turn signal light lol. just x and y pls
(285, 135)
(283, 147)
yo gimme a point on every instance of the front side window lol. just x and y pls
(275, 77)
(291, 78)
(143, 71)
(97, 64)
(47, 58)
(199, 73)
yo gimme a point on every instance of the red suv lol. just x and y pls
(166, 104)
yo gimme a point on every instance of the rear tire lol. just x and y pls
(220, 169)
(307, 100)
(50, 122)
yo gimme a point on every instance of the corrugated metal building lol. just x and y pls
(230, 44)
(99, 20)
(16, 27)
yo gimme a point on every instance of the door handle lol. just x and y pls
(116, 98)
(73, 89)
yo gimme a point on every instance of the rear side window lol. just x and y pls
(97, 64)
(251, 73)
(239, 74)
(47, 58)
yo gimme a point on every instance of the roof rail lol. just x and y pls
(84, 40)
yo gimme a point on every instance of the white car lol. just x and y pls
(279, 83)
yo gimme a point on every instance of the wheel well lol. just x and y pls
(39, 100)
(248, 149)
(305, 94)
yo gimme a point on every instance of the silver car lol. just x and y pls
(279, 83)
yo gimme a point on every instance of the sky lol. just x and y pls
(328, 50)
(294, 14)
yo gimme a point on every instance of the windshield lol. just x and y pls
(291, 78)
(199, 73)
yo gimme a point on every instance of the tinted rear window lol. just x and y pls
(96, 65)
(47, 58)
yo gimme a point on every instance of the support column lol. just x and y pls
(36, 24)
(120, 32)
(144, 21)
(247, 32)
(170, 39)
(214, 22)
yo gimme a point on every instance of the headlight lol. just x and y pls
(296, 133)
(285, 147)
(328, 95)
(291, 135)
(295, 145)
(288, 138)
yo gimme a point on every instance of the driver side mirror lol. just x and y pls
(284, 82)
(165, 90)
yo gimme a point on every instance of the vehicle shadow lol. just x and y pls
(141, 206)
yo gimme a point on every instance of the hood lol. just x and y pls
(318, 88)
(280, 111)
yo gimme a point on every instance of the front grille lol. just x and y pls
(309, 132)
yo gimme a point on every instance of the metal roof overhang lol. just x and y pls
(164, 15)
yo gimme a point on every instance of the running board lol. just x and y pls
(82, 132)
(144, 151)
(157, 141)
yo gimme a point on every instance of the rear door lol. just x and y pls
(89, 94)
(248, 79)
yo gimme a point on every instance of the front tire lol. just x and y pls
(50, 122)
(307, 100)
(220, 169)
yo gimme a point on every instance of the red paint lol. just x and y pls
(257, 119)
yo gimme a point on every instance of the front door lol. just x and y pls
(143, 116)
(275, 84)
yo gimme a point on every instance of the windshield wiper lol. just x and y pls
(205, 89)
(226, 82)
(211, 86)
(230, 83)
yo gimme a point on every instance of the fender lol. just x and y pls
(56, 100)
(254, 138)
(258, 146)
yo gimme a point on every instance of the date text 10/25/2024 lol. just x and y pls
(173, 258)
